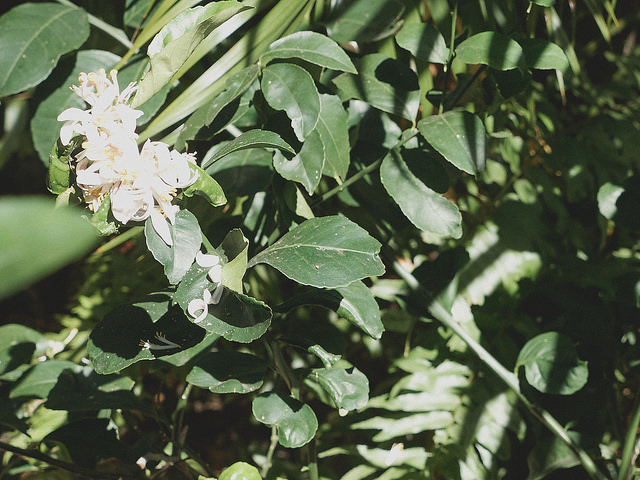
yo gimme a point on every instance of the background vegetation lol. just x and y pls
(485, 152)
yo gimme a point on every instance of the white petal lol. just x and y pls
(207, 261)
(161, 226)
(198, 305)
(215, 274)
(217, 294)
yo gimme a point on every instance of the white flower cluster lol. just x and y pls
(142, 183)
(199, 307)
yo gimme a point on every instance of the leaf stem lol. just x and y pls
(630, 442)
(119, 240)
(441, 314)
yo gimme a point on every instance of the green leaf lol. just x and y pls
(254, 138)
(17, 346)
(228, 372)
(237, 318)
(551, 364)
(551, 454)
(311, 47)
(33, 36)
(236, 85)
(40, 379)
(325, 252)
(171, 48)
(305, 167)
(295, 421)
(234, 247)
(59, 173)
(45, 127)
(291, 88)
(103, 218)
(491, 48)
(31, 226)
(544, 3)
(240, 471)
(427, 209)
(364, 20)
(544, 55)
(334, 134)
(608, 195)
(205, 186)
(391, 428)
(384, 83)
(114, 343)
(348, 388)
(424, 42)
(187, 238)
(459, 137)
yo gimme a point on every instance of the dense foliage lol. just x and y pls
(402, 245)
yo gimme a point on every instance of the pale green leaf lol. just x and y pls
(347, 388)
(544, 55)
(295, 421)
(325, 252)
(240, 471)
(391, 428)
(334, 134)
(33, 37)
(305, 167)
(424, 42)
(491, 48)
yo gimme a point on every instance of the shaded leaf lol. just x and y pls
(173, 45)
(364, 20)
(325, 252)
(334, 134)
(17, 346)
(254, 138)
(426, 209)
(228, 372)
(40, 379)
(305, 167)
(491, 48)
(544, 55)
(311, 47)
(460, 137)
(30, 226)
(424, 42)
(295, 421)
(551, 364)
(384, 83)
(291, 88)
(187, 238)
(33, 37)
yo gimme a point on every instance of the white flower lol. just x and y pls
(198, 308)
(213, 263)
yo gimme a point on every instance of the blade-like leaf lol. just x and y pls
(176, 42)
(325, 252)
(491, 48)
(311, 47)
(33, 36)
(424, 42)
(364, 20)
(187, 238)
(334, 134)
(31, 226)
(426, 209)
(291, 88)
(255, 138)
(384, 83)
(295, 421)
(228, 372)
(459, 137)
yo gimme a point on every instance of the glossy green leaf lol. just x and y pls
(491, 48)
(427, 209)
(324, 252)
(103, 218)
(114, 343)
(206, 187)
(460, 137)
(17, 346)
(228, 372)
(236, 85)
(295, 421)
(291, 88)
(45, 127)
(238, 318)
(245, 172)
(33, 37)
(424, 42)
(30, 226)
(390, 428)
(305, 167)
(40, 379)
(187, 238)
(59, 174)
(347, 388)
(254, 138)
(240, 471)
(384, 83)
(364, 20)
(544, 55)
(311, 47)
(334, 134)
(176, 42)
(608, 195)
(551, 364)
